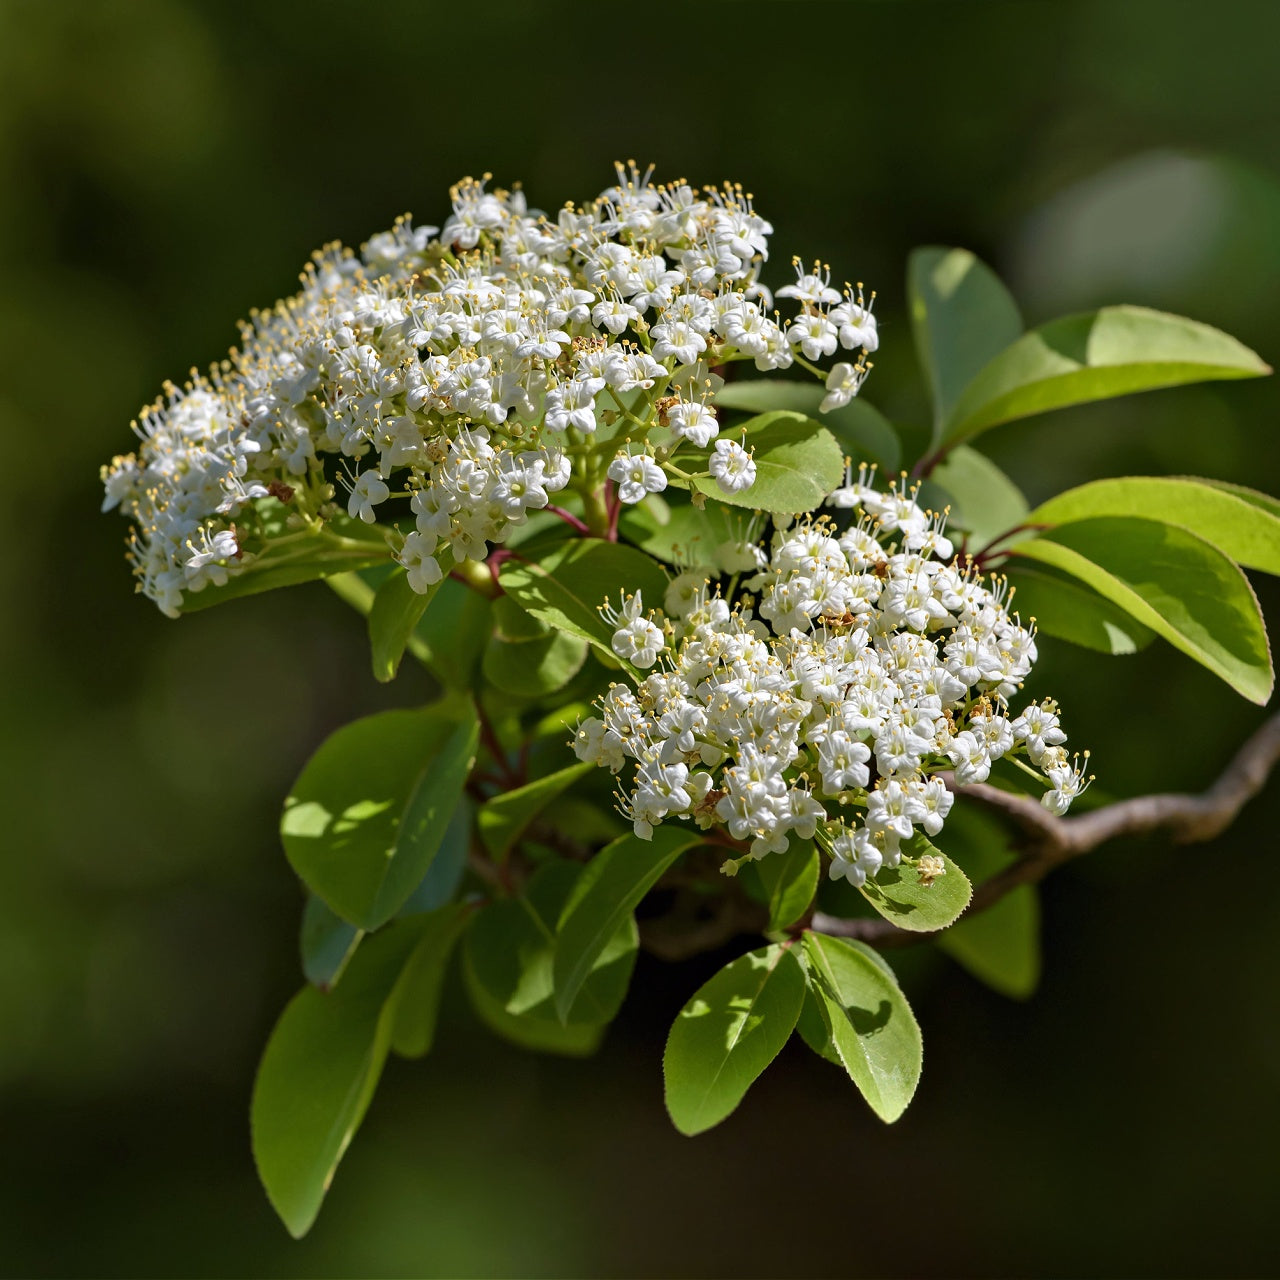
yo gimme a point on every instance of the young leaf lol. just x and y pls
(318, 1075)
(1095, 356)
(417, 990)
(327, 943)
(788, 881)
(566, 586)
(1065, 609)
(870, 1025)
(897, 894)
(961, 317)
(392, 618)
(1001, 945)
(1243, 531)
(511, 952)
(1177, 584)
(860, 429)
(503, 819)
(610, 889)
(798, 463)
(728, 1033)
(370, 809)
(984, 501)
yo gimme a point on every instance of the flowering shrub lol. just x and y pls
(537, 454)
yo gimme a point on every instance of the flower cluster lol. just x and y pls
(475, 370)
(826, 706)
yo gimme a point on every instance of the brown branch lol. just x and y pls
(1052, 841)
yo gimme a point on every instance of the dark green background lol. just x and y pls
(164, 166)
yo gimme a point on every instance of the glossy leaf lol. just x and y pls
(535, 666)
(669, 527)
(451, 635)
(1242, 530)
(503, 819)
(1067, 610)
(961, 317)
(897, 894)
(341, 546)
(728, 1033)
(861, 430)
(370, 809)
(787, 882)
(440, 882)
(1095, 356)
(870, 1025)
(392, 618)
(511, 952)
(1000, 945)
(798, 463)
(1177, 584)
(318, 1075)
(578, 1040)
(984, 501)
(566, 587)
(417, 990)
(327, 943)
(610, 889)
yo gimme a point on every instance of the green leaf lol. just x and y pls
(861, 429)
(392, 618)
(327, 943)
(961, 317)
(670, 528)
(566, 586)
(578, 1040)
(440, 883)
(610, 889)
(897, 894)
(1095, 356)
(984, 501)
(1066, 610)
(370, 809)
(1263, 500)
(504, 819)
(1241, 529)
(871, 1027)
(1177, 584)
(798, 463)
(318, 1076)
(1000, 945)
(531, 666)
(417, 990)
(728, 1033)
(451, 635)
(511, 952)
(341, 546)
(788, 881)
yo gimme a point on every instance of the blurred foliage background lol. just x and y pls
(167, 164)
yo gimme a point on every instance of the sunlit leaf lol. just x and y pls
(728, 1033)
(1170, 580)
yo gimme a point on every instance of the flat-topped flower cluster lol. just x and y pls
(868, 662)
(475, 370)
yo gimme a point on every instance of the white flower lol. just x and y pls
(418, 557)
(732, 467)
(694, 422)
(368, 490)
(636, 475)
(842, 385)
